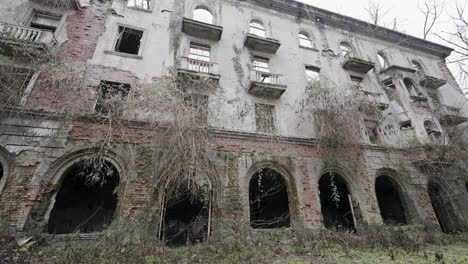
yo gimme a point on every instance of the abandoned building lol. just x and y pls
(85, 150)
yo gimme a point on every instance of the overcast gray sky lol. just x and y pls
(409, 19)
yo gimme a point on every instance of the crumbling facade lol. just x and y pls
(276, 166)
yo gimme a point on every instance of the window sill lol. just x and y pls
(126, 55)
(141, 9)
(308, 48)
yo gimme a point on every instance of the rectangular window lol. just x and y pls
(356, 81)
(265, 118)
(45, 22)
(406, 125)
(261, 65)
(313, 75)
(111, 97)
(198, 105)
(141, 4)
(199, 58)
(128, 40)
(13, 83)
(389, 83)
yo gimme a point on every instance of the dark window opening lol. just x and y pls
(265, 118)
(268, 199)
(186, 217)
(433, 132)
(406, 125)
(13, 84)
(45, 22)
(356, 81)
(335, 201)
(389, 83)
(86, 201)
(388, 197)
(111, 97)
(443, 208)
(1, 171)
(129, 40)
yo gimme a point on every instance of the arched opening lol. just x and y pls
(433, 132)
(335, 202)
(87, 199)
(187, 213)
(410, 86)
(383, 61)
(443, 208)
(389, 199)
(268, 200)
(345, 49)
(257, 28)
(304, 40)
(416, 65)
(202, 14)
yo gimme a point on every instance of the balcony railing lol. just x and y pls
(199, 66)
(26, 34)
(266, 77)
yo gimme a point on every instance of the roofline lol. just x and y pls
(305, 11)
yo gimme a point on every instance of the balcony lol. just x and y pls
(358, 65)
(451, 116)
(262, 44)
(199, 68)
(265, 84)
(20, 35)
(429, 81)
(201, 30)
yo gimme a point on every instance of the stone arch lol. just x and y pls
(444, 206)
(407, 202)
(306, 39)
(66, 171)
(287, 177)
(346, 49)
(204, 13)
(6, 166)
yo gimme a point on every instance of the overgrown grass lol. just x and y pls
(379, 247)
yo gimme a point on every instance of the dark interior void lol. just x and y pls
(128, 40)
(186, 217)
(391, 207)
(86, 201)
(443, 208)
(334, 199)
(1, 171)
(268, 198)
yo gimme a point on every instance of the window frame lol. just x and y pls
(346, 49)
(252, 28)
(149, 9)
(205, 8)
(117, 37)
(100, 99)
(383, 61)
(310, 68)
(307, 39)
(58, 17)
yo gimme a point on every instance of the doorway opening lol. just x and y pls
(443, 208)
(389, 199)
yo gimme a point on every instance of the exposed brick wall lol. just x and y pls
(310, 201)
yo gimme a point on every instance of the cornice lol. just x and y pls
(354, 25)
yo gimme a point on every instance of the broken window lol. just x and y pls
(433, 132)
(111, 97)
(202, 14)
(388, 83)
(356, 81)
(45, 22)
(388, 197)
(13, 83)
(406, 125)
(416, 65)
(186, 218)
(335, 201)
(268, 199)
(265, 118)
(261, 65)
(257, 28)
(345, 49)
(313, 76)
(304, 40)
(198, 106)
(372, 132)
(141, 4)
(443, 208)
(411, 87)
(87, 199)
(128, 40)
(383, 61)
(199, 54)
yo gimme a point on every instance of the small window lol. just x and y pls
(45, 22)
(383, 61)
(388, 83)
(265, 118)
(141, 4)
(406, 125)
(416, 65)
(128, 40)
(304, 40)
(199, 52)
(198, 107)
(409, 84)
(345, 49)
(203, 15)
(356, 80)
(261, 65)
(111, 96)
(257, 28)
(13, 83)
(372, 134)
(433, 132)
(313, 75)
